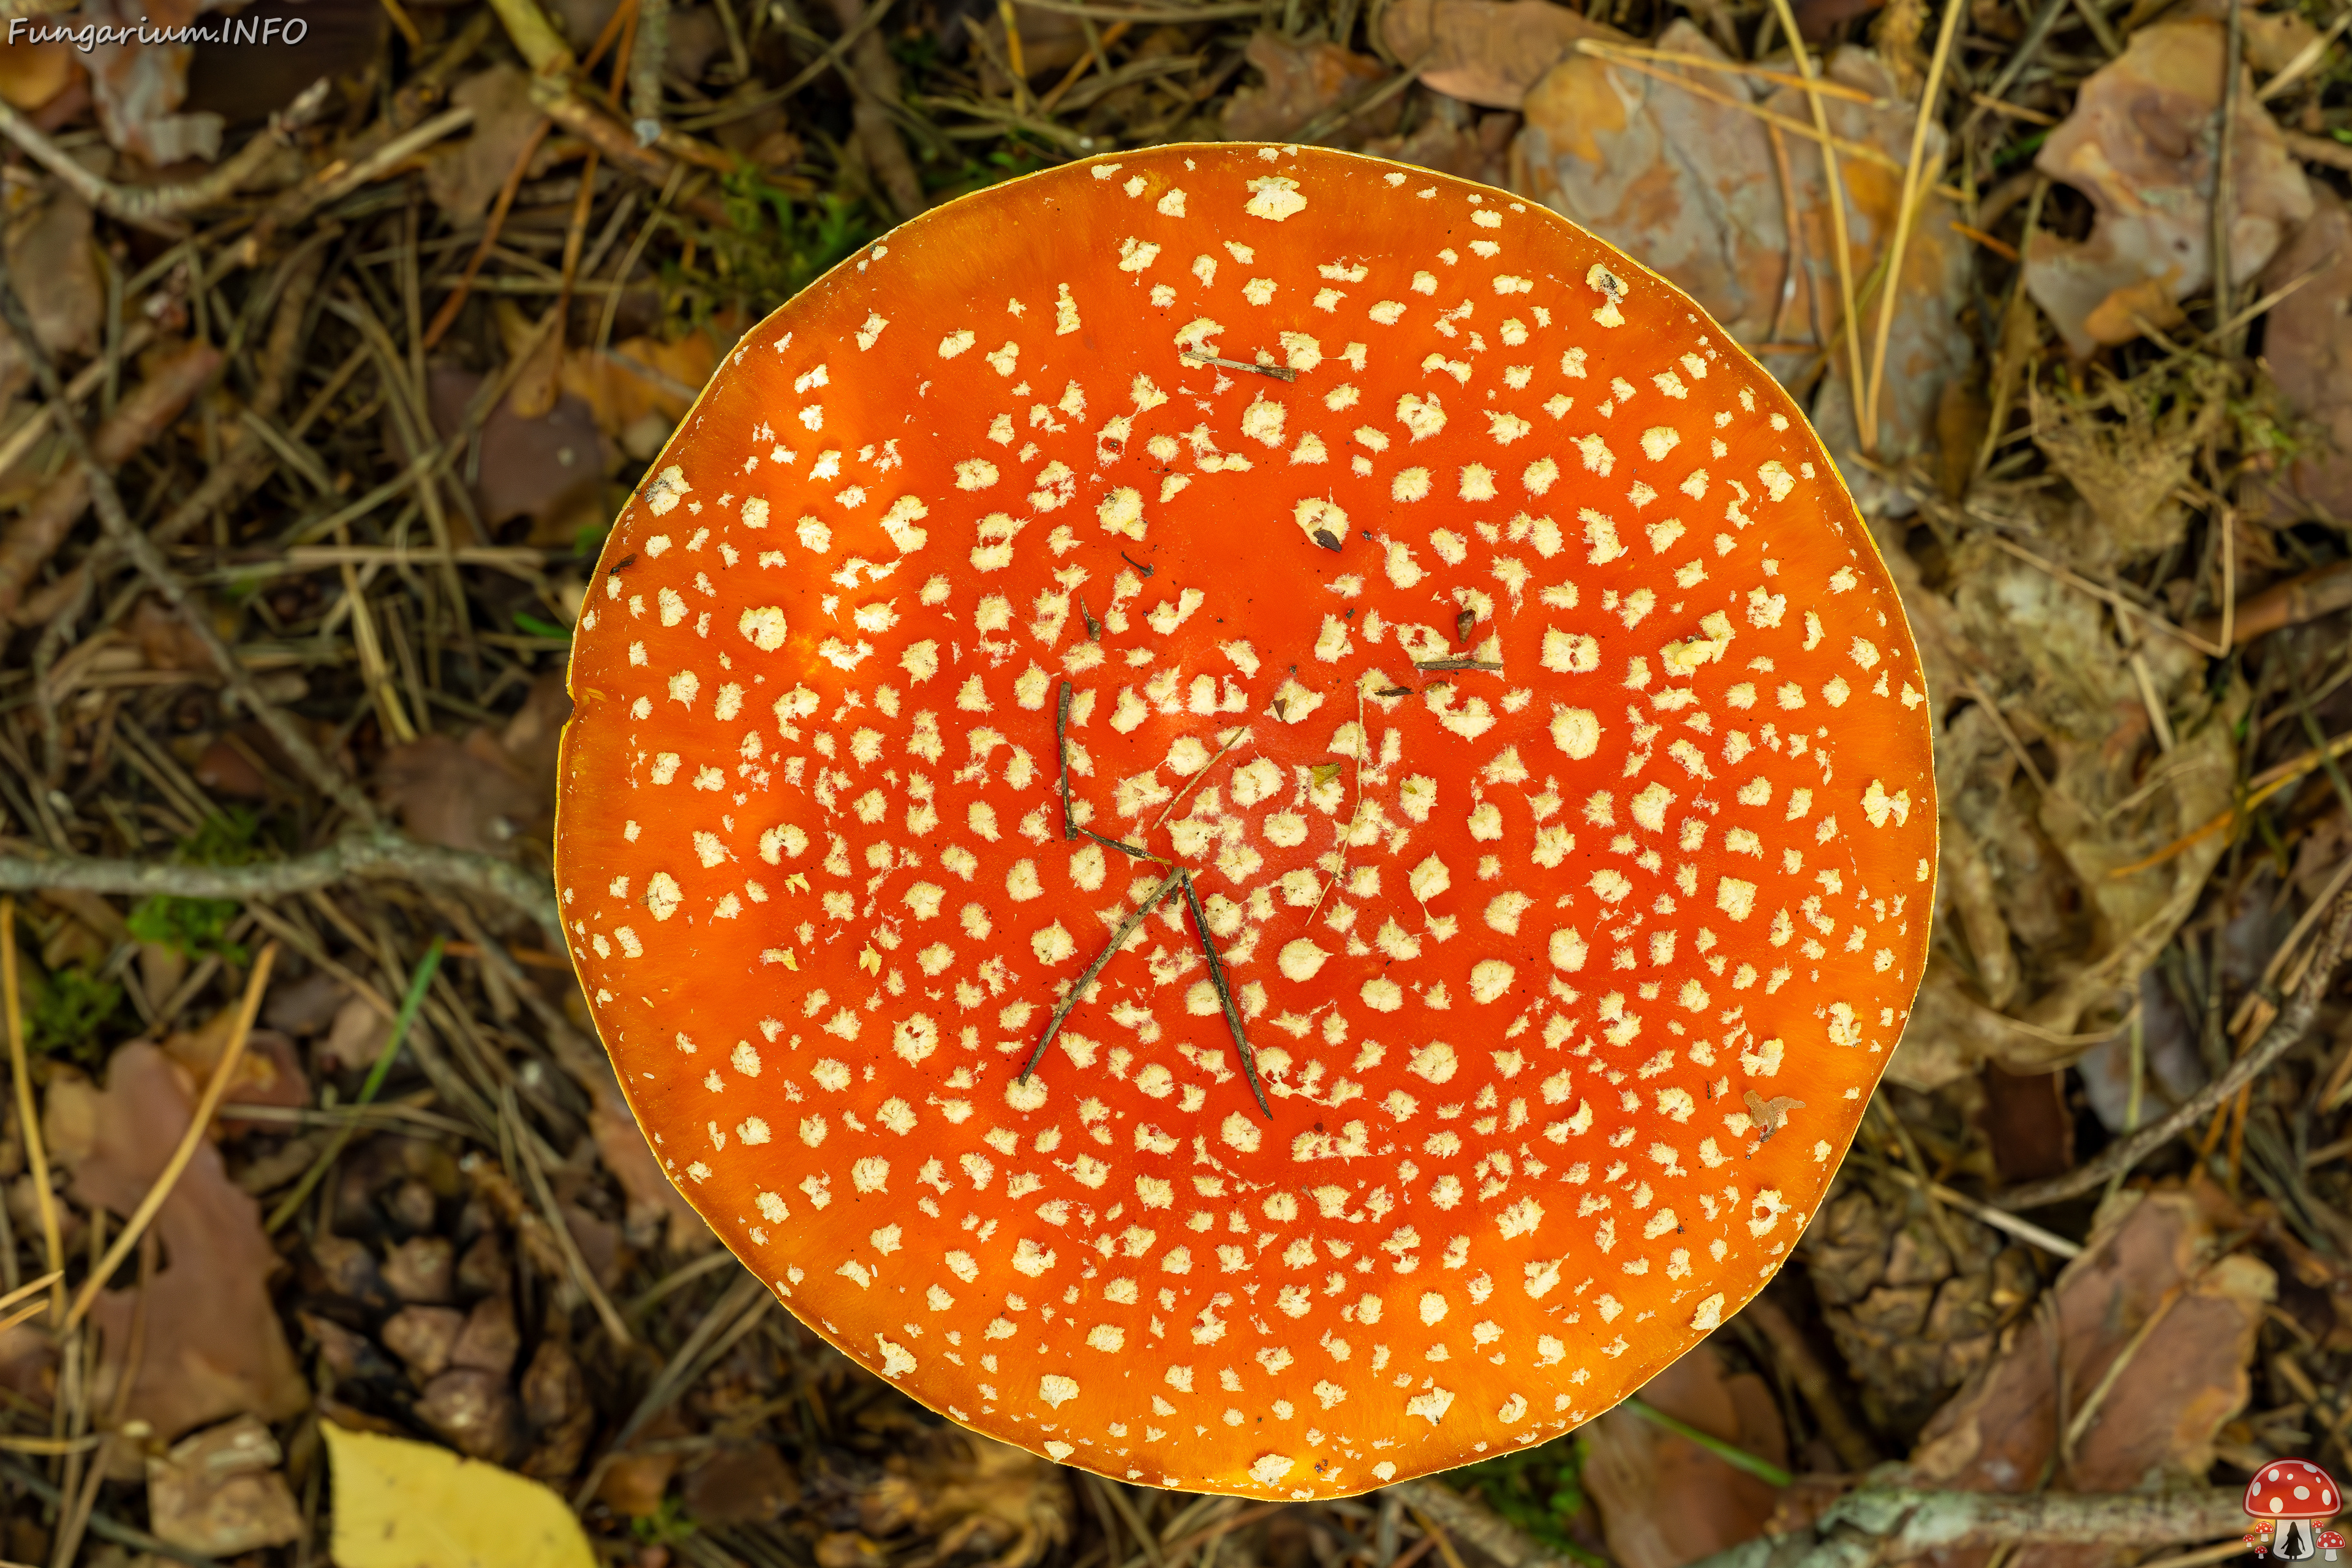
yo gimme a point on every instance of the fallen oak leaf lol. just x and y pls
(219, 1350)
(2138, 145)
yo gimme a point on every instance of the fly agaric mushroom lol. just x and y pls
(1445, 669)
(2293, 1494)
(2331, 1541)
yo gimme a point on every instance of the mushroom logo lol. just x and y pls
(2294, 1495)
(2258, 1539)
(1253, 818)
(2331, 1541)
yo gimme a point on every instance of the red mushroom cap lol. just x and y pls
(1487, 639)
(2293, 1489)
(2331, 1540)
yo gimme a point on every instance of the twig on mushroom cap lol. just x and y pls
(1118, 940)
(1885, 1525)
(1457, 662)
(1279, 371)
(1062, 755)
(1226, 995)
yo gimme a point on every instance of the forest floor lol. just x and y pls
(366, 382)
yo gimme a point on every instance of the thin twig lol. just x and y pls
(1913, 170)
(565, 1241)
(153, 206)
(1225, 996)
(1829, 149)
(1118, 939)
(1240, 734)
(1062, 755)
(381, 853)
(1279, 371)
(28, 1116)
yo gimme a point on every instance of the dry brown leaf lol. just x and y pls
(1453, 139)
(740, 1484)
(2145, 1287)
(1691, 183)
(1664, 1499)
(620, 395)
(2307, 343)
(467, 795)
(2079, 932)
(653, 1198)
(213, 1346)
(2138, 145)
(548, 468)
(1925, 344)
(268, 1074)
(140, 86)
(462, 177)
(1686, 185)
(1303, 79)
(50, 260)
(1050, 41)
(1485, 51)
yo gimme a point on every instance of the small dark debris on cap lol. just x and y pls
(1326, 539)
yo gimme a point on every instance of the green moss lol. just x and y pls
(1539, 1489)
(198, 928)
(66, 1014)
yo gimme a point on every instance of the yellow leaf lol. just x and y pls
(411, 1505)
(871, 961)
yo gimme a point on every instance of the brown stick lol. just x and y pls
(1894, 1525)
(2288, 604)
(652, 164)
(27, 544)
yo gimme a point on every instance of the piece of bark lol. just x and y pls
(27, 544)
